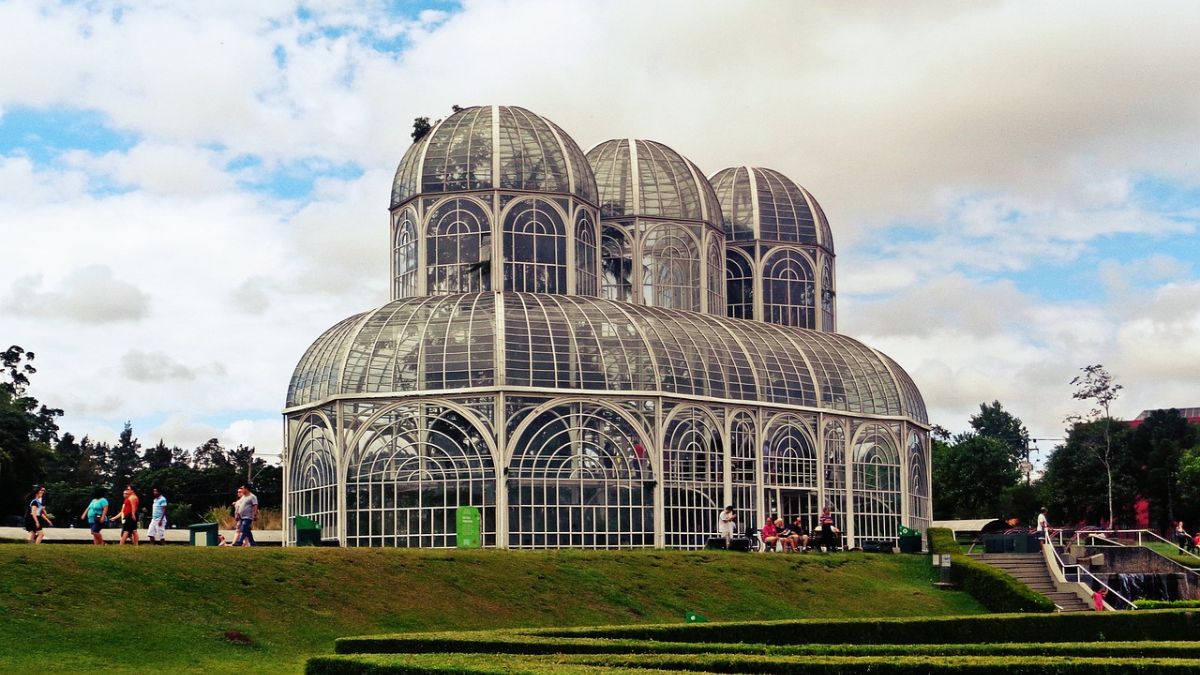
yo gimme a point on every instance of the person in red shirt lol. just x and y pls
(769, 534)
(129, 511)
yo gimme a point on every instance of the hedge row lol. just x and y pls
(995, 589)
(1071, 627)
(1167, 604)
(732, 663)
(517, 644)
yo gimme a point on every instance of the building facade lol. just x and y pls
(562, 351)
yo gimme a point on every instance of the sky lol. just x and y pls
(190, 193)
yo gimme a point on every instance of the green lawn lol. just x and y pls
(124, 609)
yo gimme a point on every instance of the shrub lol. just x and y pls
(1167, 604)
(993, 588)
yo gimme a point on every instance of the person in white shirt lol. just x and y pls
(1043, 525)
(245, 510)
(158, 518)
(726, 521)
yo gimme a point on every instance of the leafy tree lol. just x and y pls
(1188, 477)
(158, 457)
(27, 430)
(1159, 443)
(124, 458)
(210, 455)
(421, 126)
(993, 421)
(1076, 486)
(970, 475)
(1099, 387)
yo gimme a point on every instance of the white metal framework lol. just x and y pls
(588, 389)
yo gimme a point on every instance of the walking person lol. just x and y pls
(727, 519)
(129, 516)
(1043, 525)
(96, 514)
(245, 509)
(36, 518)
(158, 517)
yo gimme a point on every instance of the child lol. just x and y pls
(1098, 596)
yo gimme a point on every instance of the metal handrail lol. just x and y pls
(1140, 533)
(1079, 569)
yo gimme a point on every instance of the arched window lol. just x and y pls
(459, 236)
(743, 461)
(715, 279)
(919, 513)
(835, 471)
(828, 295)
(312, 490)
(404, 256)
(788, 290)
(693, 479)
(410, 472)
(580, 476)
(790, 468)
(585, 254)
(617, 264)
(535, 249)
(671, 264)
(875, 484)
(739, 284)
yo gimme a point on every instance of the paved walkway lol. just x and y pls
(112, 535)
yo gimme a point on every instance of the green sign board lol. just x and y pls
(468, 527)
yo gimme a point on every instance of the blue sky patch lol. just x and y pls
(43, 135)
(293, 180)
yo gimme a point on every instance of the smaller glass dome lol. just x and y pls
(765, 204)
(494, 147)
(644, 178)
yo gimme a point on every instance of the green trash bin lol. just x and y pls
(308, 532)
(202, 534)
(909, 540)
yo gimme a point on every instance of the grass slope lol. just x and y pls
(120, 609)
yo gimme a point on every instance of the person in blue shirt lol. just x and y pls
(158, 517)
(96, 515)
(37, 518)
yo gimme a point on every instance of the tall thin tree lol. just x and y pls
(1098, 386)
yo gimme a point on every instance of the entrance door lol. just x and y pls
(788, 503)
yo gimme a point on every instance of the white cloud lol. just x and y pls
(89, 294)
(1010, 136)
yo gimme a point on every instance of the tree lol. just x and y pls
(970, 476)
(1074, 484)
(1188, 476)
(124, 458)
(993, 421)
(421, 126)
(27, 429)
(1158, 444)
(1099, 387)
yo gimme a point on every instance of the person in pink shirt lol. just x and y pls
(769, 535)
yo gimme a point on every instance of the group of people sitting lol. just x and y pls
(1184, 540)
(776, 533)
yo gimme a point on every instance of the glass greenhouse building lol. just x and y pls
(597, 350)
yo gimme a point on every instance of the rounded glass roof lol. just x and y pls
(645, 178)
(430, 344)
(765, 204)
(494, 147)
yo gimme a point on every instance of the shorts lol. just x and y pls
(158, 528)
(95, 526)
(32, 524)
(129, 525)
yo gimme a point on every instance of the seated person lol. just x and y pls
(785, 536)
(769, 535)
(829, 532)
(799, 534)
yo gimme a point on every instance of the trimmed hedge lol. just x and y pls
(518, 644)
(995, 589)
(1070, 627)
(733, 663)
(1166, 604)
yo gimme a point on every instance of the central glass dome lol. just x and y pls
(494, 147)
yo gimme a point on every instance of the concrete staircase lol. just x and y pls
(1030, 569)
